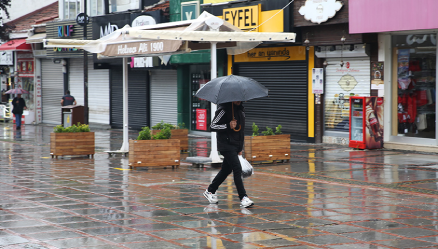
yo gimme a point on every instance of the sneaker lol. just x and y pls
(212, 198)
(246, 202)
(245, 211)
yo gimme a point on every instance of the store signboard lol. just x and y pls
(189, 10)
(245, 18)
(272, 54)
(6, 58)
(201, 119)
(318, 80)
(319, 11)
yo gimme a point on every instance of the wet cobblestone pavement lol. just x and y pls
(327, 196)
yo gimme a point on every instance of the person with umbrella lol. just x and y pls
(229, 124)
(19, 104)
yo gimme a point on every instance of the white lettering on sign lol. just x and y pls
(157, 46)
(189, 15)
(318, 11)
(108, 29)
(124, 49)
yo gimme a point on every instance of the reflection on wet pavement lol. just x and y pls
(327, 196)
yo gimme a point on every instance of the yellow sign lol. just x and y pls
(245, 18)
(273, 54)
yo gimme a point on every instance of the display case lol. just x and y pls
(366, 122)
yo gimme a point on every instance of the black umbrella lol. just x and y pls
(231, 88)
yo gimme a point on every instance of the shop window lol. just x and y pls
(71, 8)
(97, 7)
(123, 5)
(200, 109)
(416, 85)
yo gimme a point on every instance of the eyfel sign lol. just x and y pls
(245, 18)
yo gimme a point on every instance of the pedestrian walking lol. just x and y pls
(229, 123)
(19, 105)
(67, 99)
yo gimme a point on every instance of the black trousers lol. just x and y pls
(230, 164)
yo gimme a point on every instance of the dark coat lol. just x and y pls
(228, 139)
(18, 107)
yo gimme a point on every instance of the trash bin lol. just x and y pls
(67, 119)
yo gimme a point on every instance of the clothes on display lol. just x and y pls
(416, 93)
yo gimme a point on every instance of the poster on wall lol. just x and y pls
(318, 80)
(201, 119)
(374, 122)
(377, 75)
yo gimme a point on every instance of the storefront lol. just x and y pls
(408, 49)
(152, 88)
(194, 68)
(63, 69)
(284, 71)
(19, 65)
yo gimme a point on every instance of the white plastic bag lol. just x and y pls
(247, 169)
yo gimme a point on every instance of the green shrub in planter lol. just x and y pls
(74, 128)
(145, 134)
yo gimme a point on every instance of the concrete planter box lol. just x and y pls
(72, 144)
(181, 134)
(154, 153)
(267, 148)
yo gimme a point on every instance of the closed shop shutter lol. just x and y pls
(138, 98)
(352, 79)
(287, 101)
(98, 89)
(52, 90)
(164, 105)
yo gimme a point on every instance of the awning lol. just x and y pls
(16, 45)
(37, 38)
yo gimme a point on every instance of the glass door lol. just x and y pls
(357, 119)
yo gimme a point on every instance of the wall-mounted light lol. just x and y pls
(325, 63)
(306, 42)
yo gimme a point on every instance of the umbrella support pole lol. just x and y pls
(125, 145)
(214, 155)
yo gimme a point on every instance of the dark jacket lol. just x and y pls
(228, 139)
(18, 107)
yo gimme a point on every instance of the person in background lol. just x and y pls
(19, 105)
(67, 99)
(230, 137)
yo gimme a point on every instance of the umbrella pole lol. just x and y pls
(232, 110)
(125, 145)
(214, 155)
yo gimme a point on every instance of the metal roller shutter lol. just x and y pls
(164, 97)
(341, 82)
(287, 101)
(52, 87)
(98, 89)
(138, 98)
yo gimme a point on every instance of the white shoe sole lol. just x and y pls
(247, 205)
(205, 195)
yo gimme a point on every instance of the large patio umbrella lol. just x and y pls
(205, 32)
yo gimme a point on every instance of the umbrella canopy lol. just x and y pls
(16, 91)
(231, 88)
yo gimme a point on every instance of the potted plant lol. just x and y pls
(73, 141)
(272, 146)
(154, 150)
(177, 132)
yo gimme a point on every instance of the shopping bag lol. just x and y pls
(247, 169)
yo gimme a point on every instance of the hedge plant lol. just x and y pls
(268, 132)
(74, 128)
